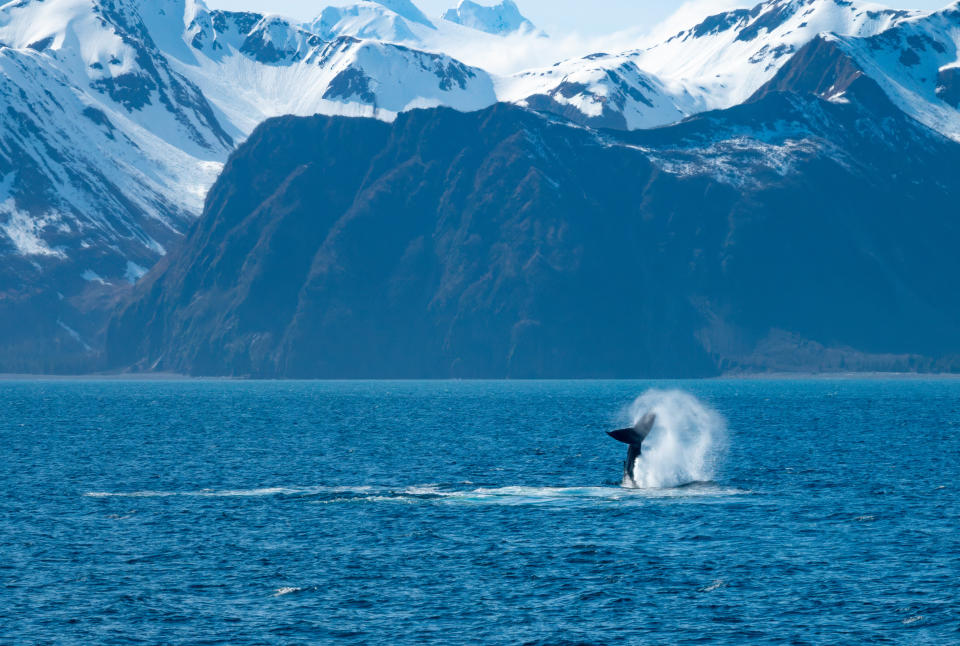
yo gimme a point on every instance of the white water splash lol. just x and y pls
(685, 445)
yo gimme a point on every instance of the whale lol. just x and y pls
(634, 437)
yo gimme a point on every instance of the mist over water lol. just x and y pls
(687, 442)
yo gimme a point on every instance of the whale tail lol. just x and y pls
(636, 435)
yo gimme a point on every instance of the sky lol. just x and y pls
(556, 17)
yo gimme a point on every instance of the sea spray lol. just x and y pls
(686, 443)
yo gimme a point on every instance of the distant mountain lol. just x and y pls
(727, 56)
(716, 63)
(407, 9)
(502, 243)
(363, 20)
(388, 20)
(119, 116)
(499, 19)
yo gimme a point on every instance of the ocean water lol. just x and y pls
(770, 512)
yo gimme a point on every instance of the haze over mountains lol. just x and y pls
(823, 126)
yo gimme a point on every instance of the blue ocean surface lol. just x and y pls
(184, 512)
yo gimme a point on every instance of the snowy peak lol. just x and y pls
(915, 63)
(500, 19)
(56, 25)
(602, 91)
(396, 21)
(780, 16)
(396, 78)
(726, 57)
(404, 8)
(364, 20)
(108, 47)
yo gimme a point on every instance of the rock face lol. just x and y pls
(503, 243)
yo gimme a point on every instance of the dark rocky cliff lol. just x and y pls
(790, 233)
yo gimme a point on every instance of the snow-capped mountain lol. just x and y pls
(500, 19)
(363, 20)
(106, 154)
(726, 57)
(913, 64)
(119, 114)
(718, 62)
(916, 63)
(346, 75)
(182, 84)
(100, 128)
(601, 90)
(406, 9)
(398, 21)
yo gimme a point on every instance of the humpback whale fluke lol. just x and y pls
(634, 437)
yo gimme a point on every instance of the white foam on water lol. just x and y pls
(249, 493)
(574, 496)
(231, 493)
(716, 585)
(686, 444)
(130, 494)
(282, 592)
(438, 494)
